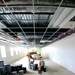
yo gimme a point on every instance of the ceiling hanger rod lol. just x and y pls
(48, 25)
(17, 22)
(34, 21)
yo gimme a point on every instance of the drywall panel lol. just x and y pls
(62, 52)
(9, 59)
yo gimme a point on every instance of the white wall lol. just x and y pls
(62, 52)
(9, 59)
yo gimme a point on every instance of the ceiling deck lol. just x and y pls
(34, 21)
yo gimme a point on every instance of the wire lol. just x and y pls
(16, 22)
(48, 26)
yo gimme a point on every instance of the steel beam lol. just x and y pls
(43, 5)
(41, 13)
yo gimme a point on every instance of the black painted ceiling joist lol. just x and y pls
(52, 5)
(41, 13)
(38, 30)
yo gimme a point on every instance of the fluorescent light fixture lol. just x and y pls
(10, 41)
(43, 41)
(18, 41)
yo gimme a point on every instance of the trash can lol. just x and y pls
(14, 73)
(39, 71)
(21, 72)
(24, 69)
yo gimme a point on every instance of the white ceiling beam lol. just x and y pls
(62, 16)
(56, 15)
(70, 16)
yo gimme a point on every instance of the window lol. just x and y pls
(3, 51)
(19, 51)
(16, 52)
(22, 51)
(11, 51)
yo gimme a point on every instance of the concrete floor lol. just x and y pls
(52, 68)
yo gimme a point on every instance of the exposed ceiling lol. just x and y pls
(36, 22)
